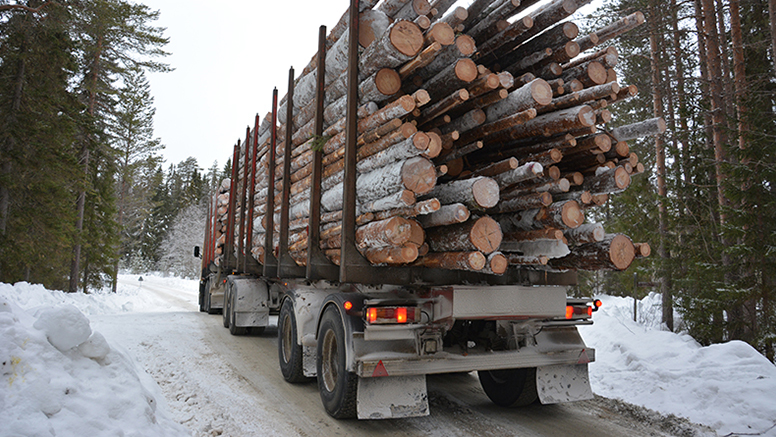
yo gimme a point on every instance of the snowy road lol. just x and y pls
(218, 384)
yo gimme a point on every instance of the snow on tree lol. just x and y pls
(188, 230)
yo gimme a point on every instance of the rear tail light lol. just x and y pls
(392, 315)
(578, 311)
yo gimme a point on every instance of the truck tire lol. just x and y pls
(233, 328)
(225, 312)
(207, 301)
(289, 352)
(510, 387)
(336, 385)
(202, 288)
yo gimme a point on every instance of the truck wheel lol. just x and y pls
(510, 387)
(233, 328)
(207, 301)
(202, 288)
(336, 385)
(225, 313)
(289, 352)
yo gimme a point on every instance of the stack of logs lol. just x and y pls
(220, 205)
(482, 140)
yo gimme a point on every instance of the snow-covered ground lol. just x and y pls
(60, 377)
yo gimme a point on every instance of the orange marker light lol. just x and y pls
(569, 311)
(371, 315)
(401, 315)
(348, 305)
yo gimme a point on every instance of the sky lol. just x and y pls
(227, 61)
(60, 373)
(227, 58)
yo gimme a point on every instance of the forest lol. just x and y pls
(84, 190)
(81, 169)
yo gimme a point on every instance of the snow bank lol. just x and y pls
(128, 298)
(729, 387)
(61, 378)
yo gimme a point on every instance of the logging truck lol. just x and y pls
(415, 205)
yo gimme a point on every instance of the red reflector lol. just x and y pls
(590, 311)
(380, 370)
(348, 305)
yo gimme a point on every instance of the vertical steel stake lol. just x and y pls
(270, 262)
(318, 266)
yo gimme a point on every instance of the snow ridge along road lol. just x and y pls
(218, 384)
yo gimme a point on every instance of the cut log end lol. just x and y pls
(407, 37)
(498, 263)
(466, 70)
(388, 81)
(486, 192)
(465, 44)
(572, 214)
(622, 178)
(486, 235)
(442, 33)
(419, 175)
(621, 252)
(642, 249)
(541, 92)
(476, 261)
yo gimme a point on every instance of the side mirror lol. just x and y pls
(196, 252)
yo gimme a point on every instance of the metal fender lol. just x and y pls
(352, 320)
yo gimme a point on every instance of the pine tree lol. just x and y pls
(132, 130)
(116, 38)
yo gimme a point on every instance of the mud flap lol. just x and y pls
(563, 383)
(392, 397)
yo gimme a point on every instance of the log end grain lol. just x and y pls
(572, 214)
(465, 44)
(486, 235)
(407, 38)
(498, 263)
(421, 140)
(442, 33)
(570, 30)
(419, 175)
(621, 178)
(642, 249)
(621, 252)
(407, 129)
(486, 192)
(388, 81)
(369, 22)
(476, 261)
(466, 70)
(586, 116)
(407, 103)
(423, 21)
(571, 49)
(545, 198)
(541, 92)
(553, 172)
(421, 97)
(597, 73)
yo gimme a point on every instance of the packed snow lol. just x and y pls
(61, 377)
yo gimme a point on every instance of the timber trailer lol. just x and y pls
(368, 327)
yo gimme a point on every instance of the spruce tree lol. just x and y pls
(39, 119)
